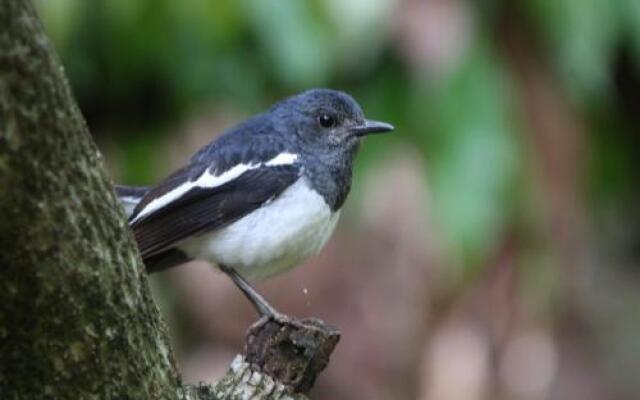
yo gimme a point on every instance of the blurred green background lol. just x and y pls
(490, 247)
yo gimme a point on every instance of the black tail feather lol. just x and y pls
(130, 196)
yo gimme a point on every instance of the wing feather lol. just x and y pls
(203, 209)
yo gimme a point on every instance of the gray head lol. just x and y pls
(328, 126)
(325, 118)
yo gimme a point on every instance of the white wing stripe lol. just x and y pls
(282, 159)
(207, 180)
(129, 203)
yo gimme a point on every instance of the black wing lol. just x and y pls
(206, 209)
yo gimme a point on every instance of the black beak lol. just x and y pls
(371, 127)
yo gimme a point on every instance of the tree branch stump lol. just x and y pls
(294, 352)
(281, 361)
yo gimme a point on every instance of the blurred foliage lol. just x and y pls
(472, 151)
(141, 66)
(178, 53)
(437, 70)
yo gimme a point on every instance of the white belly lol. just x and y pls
(273, 238)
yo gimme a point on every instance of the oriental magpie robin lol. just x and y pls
(259, 199)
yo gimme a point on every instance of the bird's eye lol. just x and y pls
(326, 121)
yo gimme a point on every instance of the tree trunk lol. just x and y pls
(77, 316)
(77, 319)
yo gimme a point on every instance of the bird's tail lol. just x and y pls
(130, 196)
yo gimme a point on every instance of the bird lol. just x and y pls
(259, 199)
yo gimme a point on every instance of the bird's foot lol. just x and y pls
(284, 321)
(274, 316)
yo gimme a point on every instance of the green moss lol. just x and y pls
(78, 320)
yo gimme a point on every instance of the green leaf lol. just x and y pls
(298, 44)
(471, 152)
(581, 35)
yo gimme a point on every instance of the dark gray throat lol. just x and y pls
(330, 175)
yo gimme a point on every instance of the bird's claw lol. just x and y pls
(278, 318)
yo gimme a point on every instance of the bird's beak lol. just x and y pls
(371, 127)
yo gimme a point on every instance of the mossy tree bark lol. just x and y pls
(77, 316)
(77, 319)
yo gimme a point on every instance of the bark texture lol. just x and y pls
(77, 319)
(76, 314)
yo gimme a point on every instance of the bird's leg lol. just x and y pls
(265, 309)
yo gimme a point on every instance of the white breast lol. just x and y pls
(273, 238)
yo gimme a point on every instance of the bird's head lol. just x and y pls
(327, 118)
